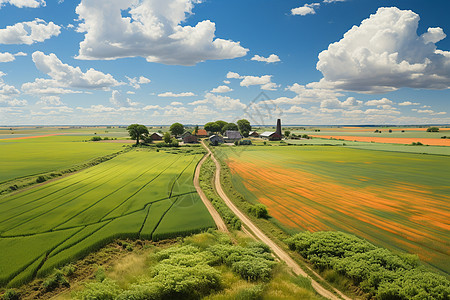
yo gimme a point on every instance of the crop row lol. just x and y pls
(139, 194)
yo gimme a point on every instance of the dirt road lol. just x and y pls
(265, 239)
(212, 211)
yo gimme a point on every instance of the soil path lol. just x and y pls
(283, 255)
(212, 211)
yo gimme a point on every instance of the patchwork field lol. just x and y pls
(32, 156)
(396, 200)
(140, 194)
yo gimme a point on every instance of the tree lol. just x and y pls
(137, 132)
(176, 129)
(244, 127)
(221, 125)
(433, 129)
(287, 133)
(195, 130)
(212, 127)
(230, 126)
(167, 138)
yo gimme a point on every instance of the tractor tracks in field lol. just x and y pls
(279, 252)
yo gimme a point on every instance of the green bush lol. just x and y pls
(259, 210)
(253, 293)
(11, 295)
(41, 179)
(377, 271)
(105, 290)
(96, 138)
(433, 129)
(55, 281)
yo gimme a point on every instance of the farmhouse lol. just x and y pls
(216, 140)
(202, 133)
(273, 136)
(156, 136)
(232, 136)
(189, 138)
(253, 134)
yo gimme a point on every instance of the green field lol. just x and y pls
(140, 194)
(396, 200)
(26, 157)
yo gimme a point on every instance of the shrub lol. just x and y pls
(11, 295)
(377, 271)
(105, 290)
(433, 129)
(55, 281)
(41, 179)
(96, 138)
(68, 270)
(252, 293)
(259, 210)
(100, 274)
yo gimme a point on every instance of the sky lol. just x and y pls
(155, 62)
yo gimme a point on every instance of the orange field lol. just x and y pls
(425, 141)
(31, 137)
(398, 215)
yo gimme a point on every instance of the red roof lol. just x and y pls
(202, 132)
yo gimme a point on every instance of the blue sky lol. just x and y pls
(157, 62)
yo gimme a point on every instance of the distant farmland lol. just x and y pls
(396, 200)
(140, 194)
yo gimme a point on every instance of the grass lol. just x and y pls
(139, 193)
(396, 200)
(20, 158)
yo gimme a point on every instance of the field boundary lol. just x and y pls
(283, 255)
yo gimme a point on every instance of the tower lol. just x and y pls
(278, 131)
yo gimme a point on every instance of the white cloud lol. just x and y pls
(296, 110)
(221, 89)
(118, 100)
(384, 54)
(333, 1)
(350, 103)
(131, 93)
(233, 75)
(12, 103)
(383, 101)
(23, 3)
(222, 102)
(204, 110)
(7, 90)
(171, 94)
(65, 76)
(136, 82)
(152, 30)
(226, 81)
(264, 81)
(176, 103)
(152, 107)
(429, 111)
(305, 9)
(50, 101)
(271, 59)
(29, 32)
(405, 103)
(8, 57)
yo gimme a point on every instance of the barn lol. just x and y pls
(253, 134)
(232, 136)
(216, 140)
(156, 136)
(202, 133)
(273, 135)
(189, 139)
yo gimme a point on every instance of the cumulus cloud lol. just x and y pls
(29, 32)
(264, 81)
(118, 100)
(221, 89)
(152, 30)
(273, 58)
(136, 82)
(8, 57)
(429, 111)
(23, 3)
(65, 76)
(349, 103)
(50, 101)
(384, 53)
(12, 102)
(222, 102)
(176, 103)
(383, 101)
(305, 9)
(406, 103)
(171, 94)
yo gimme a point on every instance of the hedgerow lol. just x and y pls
(380, 273)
